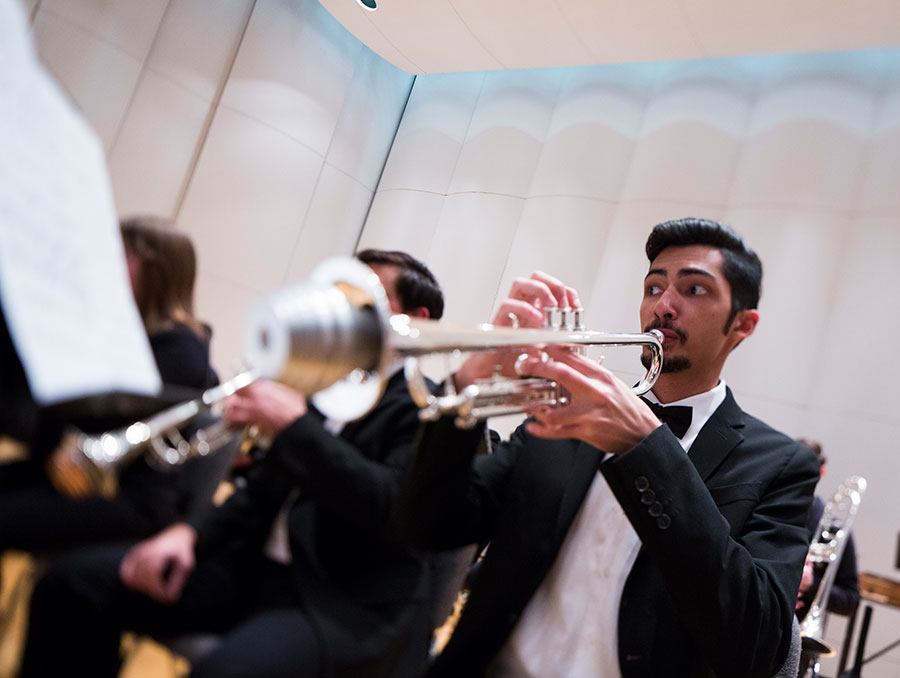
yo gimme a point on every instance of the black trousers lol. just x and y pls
(79, 609)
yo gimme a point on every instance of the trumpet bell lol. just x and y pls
(326, 336)
(815, 645)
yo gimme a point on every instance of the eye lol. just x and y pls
(697, 290)
(652, 290)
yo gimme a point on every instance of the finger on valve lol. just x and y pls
(563, 296)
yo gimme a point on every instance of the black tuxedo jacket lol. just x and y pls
(364, 592)
(722, 531)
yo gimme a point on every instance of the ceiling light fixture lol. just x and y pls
(368, 5)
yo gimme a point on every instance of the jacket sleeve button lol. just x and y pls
(641, 483)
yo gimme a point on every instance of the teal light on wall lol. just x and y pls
(368, 5)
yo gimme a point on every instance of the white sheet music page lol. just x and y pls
(64, 285)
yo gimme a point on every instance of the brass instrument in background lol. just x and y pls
(333, 338)
(87, 465)
(831, 537)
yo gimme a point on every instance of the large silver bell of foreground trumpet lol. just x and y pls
(329, 337)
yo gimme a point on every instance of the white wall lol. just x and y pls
(493, 175)
(260, 126)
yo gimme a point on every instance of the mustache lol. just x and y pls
(658, 324)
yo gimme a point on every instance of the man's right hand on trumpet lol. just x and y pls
(523, 307)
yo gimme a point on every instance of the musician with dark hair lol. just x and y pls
(621, 545)
(297, 570)
(415, 285)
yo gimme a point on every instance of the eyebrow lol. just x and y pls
(682, 273)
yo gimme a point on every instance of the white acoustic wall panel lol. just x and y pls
(506, 133)
(435, 125)
(99, 76)
(128, 26)
(879, 194)
(592, 134)
(156, 145)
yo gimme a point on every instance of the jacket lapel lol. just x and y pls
(718, 437)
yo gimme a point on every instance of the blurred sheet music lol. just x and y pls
(63, 282)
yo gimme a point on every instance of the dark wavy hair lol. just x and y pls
(740, 265)
(416, 284)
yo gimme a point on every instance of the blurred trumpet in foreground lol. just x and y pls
(333, 338)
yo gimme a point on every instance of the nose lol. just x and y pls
(666, 306)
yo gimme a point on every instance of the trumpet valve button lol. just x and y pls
(551, 319)
(576, 313)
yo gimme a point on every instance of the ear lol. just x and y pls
(744, 323)
(419, 312)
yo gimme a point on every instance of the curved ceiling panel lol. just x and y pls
(441, 36)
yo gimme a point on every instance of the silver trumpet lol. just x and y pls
(86, 465)
(499, 395)
(827, 548)
(333, 338)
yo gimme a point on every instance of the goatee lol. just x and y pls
(675, 364)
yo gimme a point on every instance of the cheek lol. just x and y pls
(646, 313)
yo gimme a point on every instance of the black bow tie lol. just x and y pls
(676, 417)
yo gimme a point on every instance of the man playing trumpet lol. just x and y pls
(621, 546)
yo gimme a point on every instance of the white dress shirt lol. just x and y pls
(569, 627)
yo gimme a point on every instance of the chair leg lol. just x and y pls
(856, 669)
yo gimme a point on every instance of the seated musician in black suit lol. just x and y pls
(296, 569)
(622, 546)
(34, 516)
